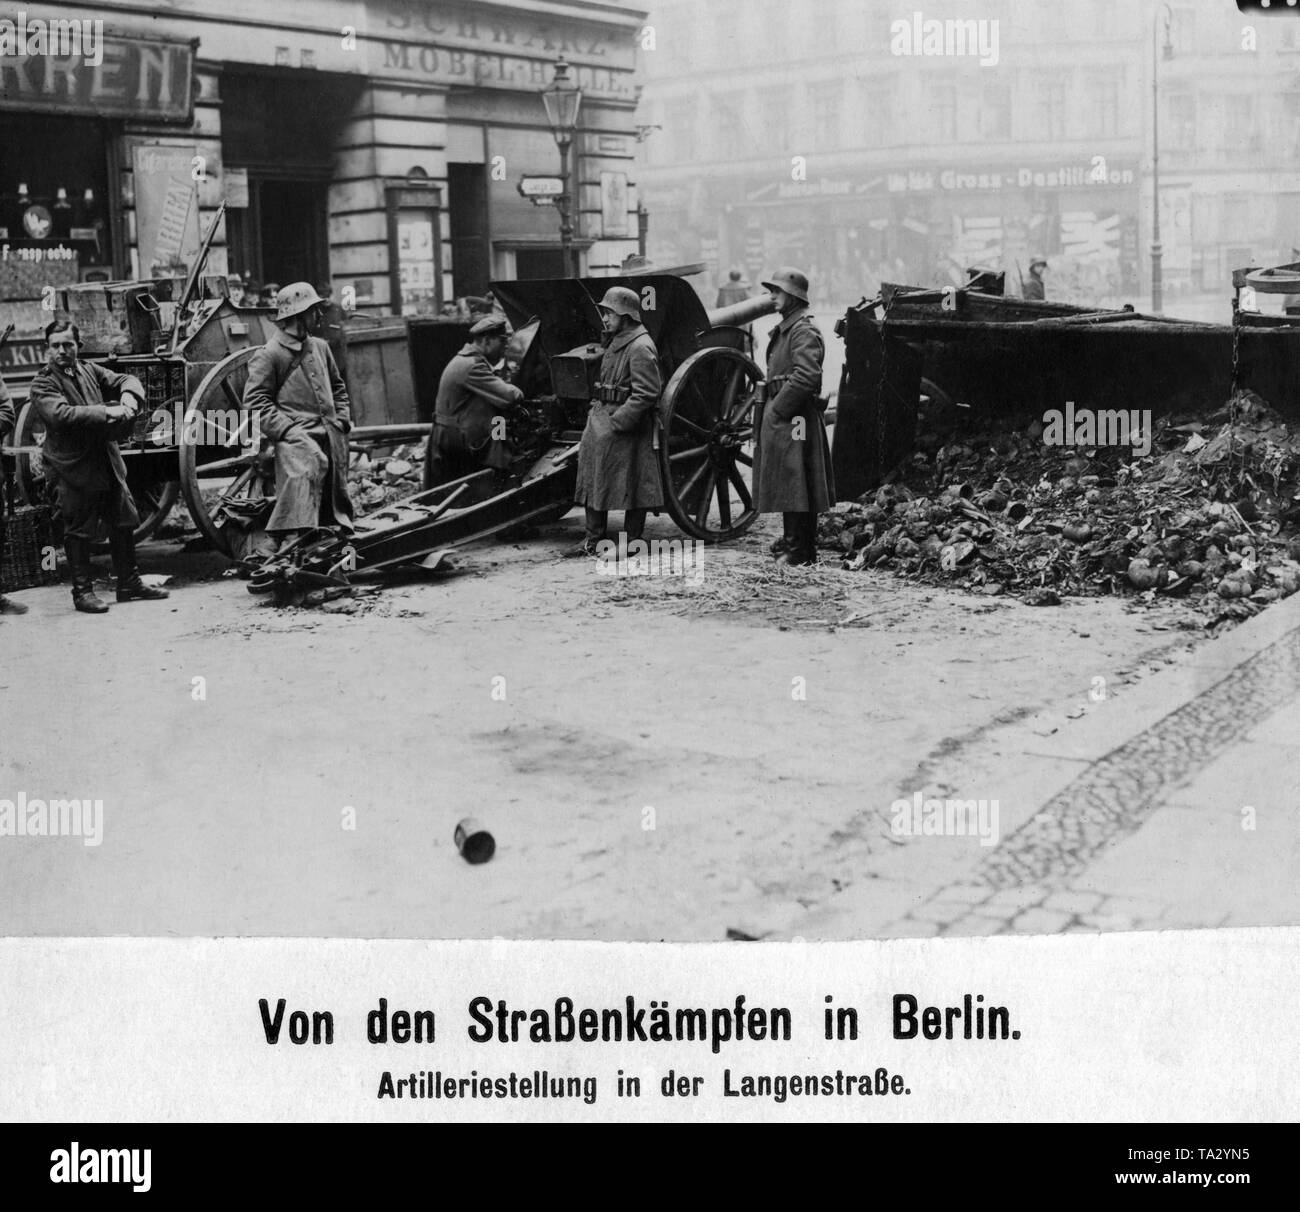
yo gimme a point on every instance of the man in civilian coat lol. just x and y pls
(297, 394)
(792, 464)
(472, 409)
(617, 466)
(7, 418)
(83, 462)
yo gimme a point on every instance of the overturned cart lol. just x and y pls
(704, 434)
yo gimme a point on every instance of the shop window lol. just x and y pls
(54, 192)
(468, 216)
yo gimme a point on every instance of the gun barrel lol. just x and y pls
(741, 313)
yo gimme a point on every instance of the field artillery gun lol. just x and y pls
(704, 434)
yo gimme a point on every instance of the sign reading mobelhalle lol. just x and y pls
(126, 78)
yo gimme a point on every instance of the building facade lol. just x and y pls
(376, 145)
(825, 135)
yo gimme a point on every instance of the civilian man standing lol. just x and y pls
(82, 459)
(792, 465)
(472, 409)
(6, 430)
(617, 467)
(297, 394)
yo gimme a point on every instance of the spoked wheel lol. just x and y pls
(224, 472)
(153, 502)
(706, 456)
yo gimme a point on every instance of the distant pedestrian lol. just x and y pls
(1034, 287)
(734, 290)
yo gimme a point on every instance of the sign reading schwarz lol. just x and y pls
(134, 78)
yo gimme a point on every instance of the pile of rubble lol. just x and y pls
(376, 479)
(1212, 513)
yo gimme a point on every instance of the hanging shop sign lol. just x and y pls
(107, 77)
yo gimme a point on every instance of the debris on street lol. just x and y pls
(376, 479)
(1211, 514)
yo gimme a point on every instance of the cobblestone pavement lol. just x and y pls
(1171, 811)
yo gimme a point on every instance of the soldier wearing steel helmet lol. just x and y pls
(471, 413)
(298, 396)
(792, 465)
(617, 468)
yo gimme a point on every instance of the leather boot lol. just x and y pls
(8, 607)
(802, 528)
(84, 597)
(783, 545)
(130, 588)
(634, 524)
(597, 520)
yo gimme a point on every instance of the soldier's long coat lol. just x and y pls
(792, 474)
(80, 453)
(307, 415)
(617, 466)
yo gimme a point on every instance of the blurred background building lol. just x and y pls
(914, 167)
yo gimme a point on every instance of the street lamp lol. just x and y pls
(1167, 51)
(562, 100)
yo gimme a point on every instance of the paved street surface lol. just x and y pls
(654, 760)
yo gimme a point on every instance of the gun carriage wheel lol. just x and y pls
(224, 472)
(153, 502)
(706, 455)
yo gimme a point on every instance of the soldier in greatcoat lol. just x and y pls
(617, 466)
(471, 414)
(81, 458)
(792, 465)
(297, 394)
(7, 418)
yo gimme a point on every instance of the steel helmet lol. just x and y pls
(793, 281)
(296, 298)
(622, 301)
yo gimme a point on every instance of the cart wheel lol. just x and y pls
(706, 455)
(220, 451)
(153, 502)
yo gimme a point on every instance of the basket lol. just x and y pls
(28, 539)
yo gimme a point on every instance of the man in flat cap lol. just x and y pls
(471, 414)
(81, 458)
(297, 394)
(792, 465)
(617, 466)
(1033, 286)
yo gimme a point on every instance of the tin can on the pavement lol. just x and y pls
(476, 844)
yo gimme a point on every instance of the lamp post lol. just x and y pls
(562, 100)
(1157, 286)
